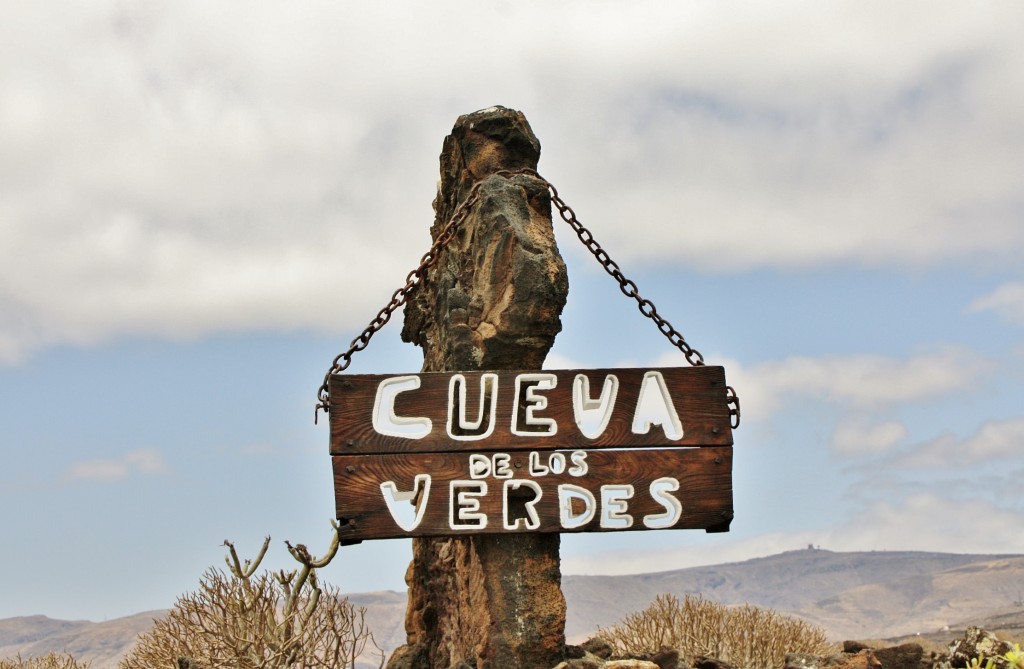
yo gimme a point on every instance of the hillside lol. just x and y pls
(852, 595)
(102, 643)
(922, 602)
(385, 615)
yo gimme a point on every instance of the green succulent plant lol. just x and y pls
(981, 663)
(1015, 657)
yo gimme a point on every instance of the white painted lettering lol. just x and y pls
(502, 468)
(614, 504)
(405, 516)
(661, 490)
(479, 466)
(557, 463)
(525, 422)
(579, 463)
(464, 505)
(459, 426)
(654, 407)
(536, 468)
(384, 419)
(592, 415)
(532, 520)
(567, 492)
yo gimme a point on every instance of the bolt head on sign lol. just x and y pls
(456, 453)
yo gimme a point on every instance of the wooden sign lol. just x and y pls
(424, 494)
(529, 410)
(531, 451)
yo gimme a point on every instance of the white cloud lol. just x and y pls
(924, 522)
(231, 166)
(993, 443)
(138, 461)
(857, 381)
(934, 522)
(857, 438)
(1007, 301)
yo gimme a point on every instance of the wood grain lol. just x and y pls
(698, 395)
(704, 476)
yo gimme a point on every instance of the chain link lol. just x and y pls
(429, 259)
(627, 286)
(398, 298)
(733, 401)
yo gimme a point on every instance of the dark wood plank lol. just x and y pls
(704, 477)
(697, 393)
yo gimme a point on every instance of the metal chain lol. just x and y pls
(415, 277)
(398, 298)
(628, 287)
(733, 401)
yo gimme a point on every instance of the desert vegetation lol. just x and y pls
(48, 661)
(248, 620)
(744, 636)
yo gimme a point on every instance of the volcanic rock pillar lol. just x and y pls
(492, 301)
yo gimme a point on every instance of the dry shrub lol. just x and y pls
(48, 661)
(744, 636)
(267, 621)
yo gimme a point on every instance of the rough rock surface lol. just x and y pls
(904, 656)
(492, 301)
(806, 661)
(666, 658)
(855, 655)
(711, 663)
(587, 661)
(598, 646)
(977, 643)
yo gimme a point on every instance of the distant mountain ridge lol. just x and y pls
(853, 595)
(103, 644)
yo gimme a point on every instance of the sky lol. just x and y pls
(202, 203)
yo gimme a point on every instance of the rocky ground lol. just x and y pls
(961, 653)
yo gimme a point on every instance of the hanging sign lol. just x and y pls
(531, 451)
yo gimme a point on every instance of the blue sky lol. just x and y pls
(200, 206)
